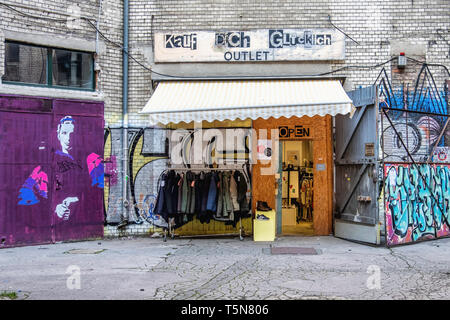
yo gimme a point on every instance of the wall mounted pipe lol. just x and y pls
(125, 201)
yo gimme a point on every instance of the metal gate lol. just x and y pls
(357, 172)
(52, 170)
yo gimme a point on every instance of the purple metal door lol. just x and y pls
(77, 139)
(51, 170)
(25, 168)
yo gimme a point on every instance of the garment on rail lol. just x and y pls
(219, 195)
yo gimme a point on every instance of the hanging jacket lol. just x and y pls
(219, 210)
(234, 193)
(199, 180)
(172, 192)
(205, 191)
(211, 204)
(180, 192)
(241, 190)
(191, 208)
(160, 206)
(227, 203)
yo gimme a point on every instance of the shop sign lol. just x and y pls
(287, 132)
(369, 149)
(250, 46)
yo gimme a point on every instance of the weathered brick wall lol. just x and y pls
(110, 61)
(378, 27)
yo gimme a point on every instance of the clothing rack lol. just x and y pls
(242, 168)
(205, 169)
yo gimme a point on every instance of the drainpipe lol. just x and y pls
(125, 202)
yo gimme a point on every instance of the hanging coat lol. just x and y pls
(211, 204)
(242, 190)
(227, 203)
(219, 211)
(199, 180)
(191, 192)
(160, 206)
(234, 193)
(180, 192)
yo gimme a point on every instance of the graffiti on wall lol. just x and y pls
(417, 202)
(150, 150)
(419, 133)
(419, 124)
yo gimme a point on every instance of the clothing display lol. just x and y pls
(218, 195)
(306, 198)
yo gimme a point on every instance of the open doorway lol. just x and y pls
(297, 207)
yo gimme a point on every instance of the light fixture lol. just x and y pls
(401, 61)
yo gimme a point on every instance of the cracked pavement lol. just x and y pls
(226, 269)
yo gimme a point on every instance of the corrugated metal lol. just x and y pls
(24, 141)
(30, 168)
(86, 214)
(187, 101)
(356, 174)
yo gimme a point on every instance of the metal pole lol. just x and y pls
(125, 201)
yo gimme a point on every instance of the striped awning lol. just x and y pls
(187, 101)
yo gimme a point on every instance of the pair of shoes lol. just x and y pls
(262, 217)
(262, 206)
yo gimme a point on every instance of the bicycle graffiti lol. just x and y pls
(417, 200)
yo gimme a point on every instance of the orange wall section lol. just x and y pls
(263, 185)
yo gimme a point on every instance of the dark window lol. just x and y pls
(72, 69)
(25, 63)
(29, 64)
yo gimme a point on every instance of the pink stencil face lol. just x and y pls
(93, 160)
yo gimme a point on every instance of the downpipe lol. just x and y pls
(125, 201)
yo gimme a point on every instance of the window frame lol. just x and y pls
(49, 68)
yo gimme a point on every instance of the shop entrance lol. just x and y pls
(297, 207)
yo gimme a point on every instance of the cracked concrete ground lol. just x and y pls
(148, 268)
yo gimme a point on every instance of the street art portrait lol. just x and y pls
(65, 164)
(66, 127)
(34, 188)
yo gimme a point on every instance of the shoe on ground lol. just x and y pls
(262, 217)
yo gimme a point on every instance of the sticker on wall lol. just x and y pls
(320, 167)
(264, 149)
(441, 154)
